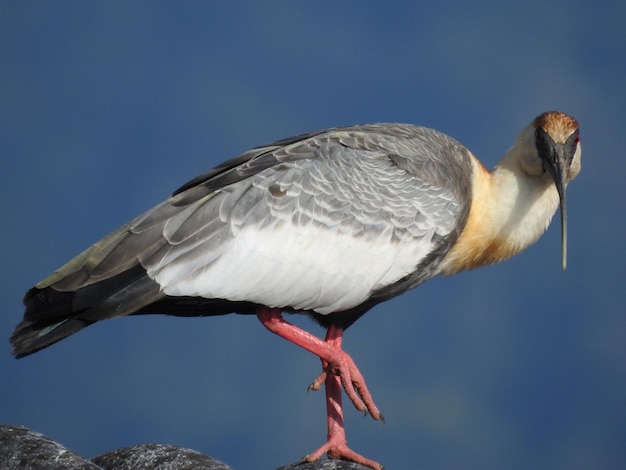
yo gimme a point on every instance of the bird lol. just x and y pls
(326, 224)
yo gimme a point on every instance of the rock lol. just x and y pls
(23, 449)
(161, 456)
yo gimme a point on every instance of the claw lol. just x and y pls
(336, 447)
(338, 370)
(318, 382)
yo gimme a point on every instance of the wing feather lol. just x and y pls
(336, 209)
(318, 222)
(331, 222)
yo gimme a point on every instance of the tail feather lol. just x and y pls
(53, 315)
(28, 338)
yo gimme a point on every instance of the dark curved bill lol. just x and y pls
(558, 167)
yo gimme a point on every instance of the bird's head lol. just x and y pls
(555, 142)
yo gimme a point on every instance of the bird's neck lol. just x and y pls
(510, 210)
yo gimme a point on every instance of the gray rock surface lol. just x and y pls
(161, 456)
(23, 449)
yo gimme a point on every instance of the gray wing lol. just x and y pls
(334, 221)
(262, 227)
(320, 223)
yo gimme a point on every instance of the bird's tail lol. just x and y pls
(52, 315)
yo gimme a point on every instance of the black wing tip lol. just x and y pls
(47, 319)
(26, 339)
(24, 342)
(30, 337)
(52, 315)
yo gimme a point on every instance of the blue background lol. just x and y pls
(106, 107)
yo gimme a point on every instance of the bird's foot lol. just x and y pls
(339, 371)
(337, 448)
(343, 366)
(335, 361)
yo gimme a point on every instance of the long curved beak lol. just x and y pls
(557, 165)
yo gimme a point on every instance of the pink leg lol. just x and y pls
(339, 369)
